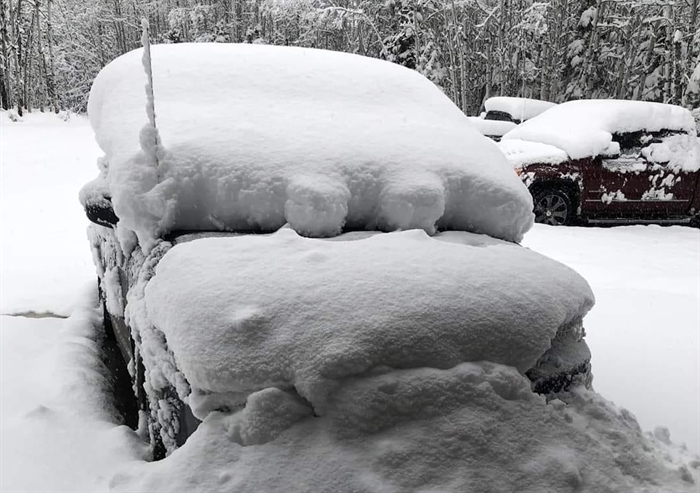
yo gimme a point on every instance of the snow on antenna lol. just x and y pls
(150, 139)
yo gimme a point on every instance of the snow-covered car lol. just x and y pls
(310, 265)
(504, 113)
(609, 160)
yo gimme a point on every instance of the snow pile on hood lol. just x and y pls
(246, 313)
(522, 152)
(585, 128)
(254, 137)
(519, 108)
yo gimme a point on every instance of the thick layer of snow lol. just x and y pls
(59, 431)
(474, 427)
(522, 153)
(492, 128)
(584, 128)
(519, 108)
(317, 139)
(43, 256)
(292, 312)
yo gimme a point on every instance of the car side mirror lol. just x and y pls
(101, 213)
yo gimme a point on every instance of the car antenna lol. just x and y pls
(150, 138)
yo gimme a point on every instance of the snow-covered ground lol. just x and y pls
(644, 331)
(44, 162)
(56, 435)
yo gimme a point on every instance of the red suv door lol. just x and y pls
(628, 185)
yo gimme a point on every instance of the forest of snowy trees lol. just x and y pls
(555, 50)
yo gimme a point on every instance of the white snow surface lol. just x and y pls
(293, 312)
(43, 261)
(519, 108)
(491, 128)
(643, 331)
(254, 137)
(58, 424)
(474, 427)
(584, 128)
(522, 153)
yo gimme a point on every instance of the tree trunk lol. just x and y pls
(28, 62)
(621, 90)
(51, 77)
(546, 70)
(41, 63)
(5, 82)
(668, 62)
(119, 27)
(645, 69)
(501, 47)
(677, 68)
(592, 50)
(555, 80)
(19, 59)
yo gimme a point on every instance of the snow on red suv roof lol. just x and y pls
(585, 128)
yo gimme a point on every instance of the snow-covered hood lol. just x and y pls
(254, 137)
(241, 314)
(522, 153)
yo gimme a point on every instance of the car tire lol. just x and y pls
(554, 207)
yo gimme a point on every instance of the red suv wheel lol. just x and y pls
(553, 207)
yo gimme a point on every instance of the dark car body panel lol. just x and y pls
(125, 362)
(625, 186)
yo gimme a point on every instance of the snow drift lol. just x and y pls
(254, 137)
(474, 427)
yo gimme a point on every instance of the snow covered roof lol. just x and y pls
(255, 136)
(585, 128)
(245, 313)
(519, 108)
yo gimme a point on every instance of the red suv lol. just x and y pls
(609, 160)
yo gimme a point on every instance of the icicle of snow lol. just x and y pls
(145, 201)
(149, 138)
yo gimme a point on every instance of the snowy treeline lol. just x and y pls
(555, 50)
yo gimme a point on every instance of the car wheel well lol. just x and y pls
(556, 202)
(567, 186)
